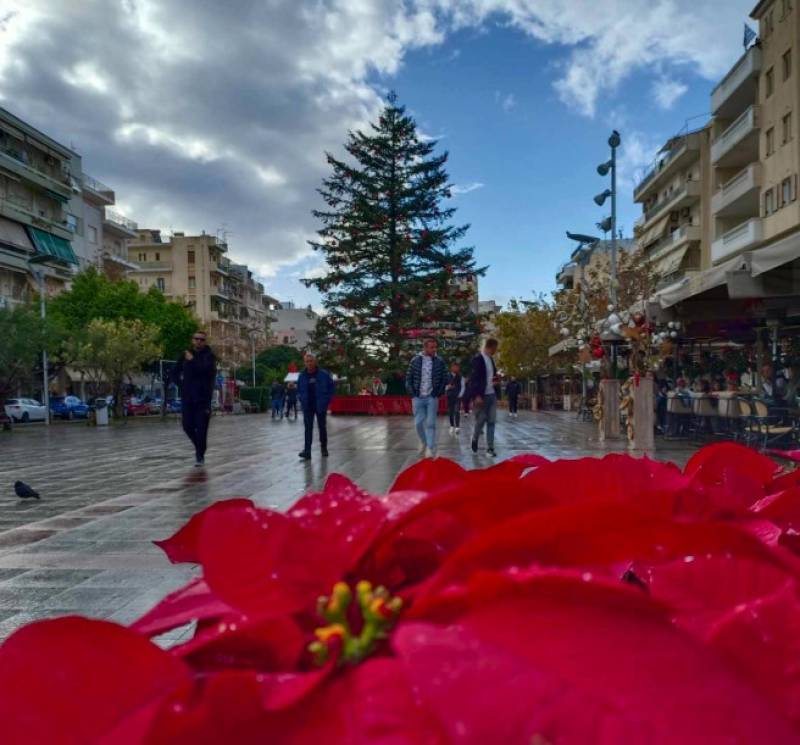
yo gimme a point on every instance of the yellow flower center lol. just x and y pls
(379, 611)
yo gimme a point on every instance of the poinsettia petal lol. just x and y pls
(427, 475)
(598, 534)
(710, 462)
(268, 646)
(782, 508)
(702, 589)
(762, 639)
(266, 564)
(558, 659)
(182, 546)
(74, 680)
(194, 602)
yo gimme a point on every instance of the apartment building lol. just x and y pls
(292, 326)
(37, 182)
(674, 228)
(592, 261)
(750, 247)
(195, 271)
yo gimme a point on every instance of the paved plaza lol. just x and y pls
(108, 492)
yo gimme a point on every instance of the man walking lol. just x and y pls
(484, 396)
(455, 392)
(513, 389)
(315, 390)
(426, 378)
(195, 374)
(276, 393)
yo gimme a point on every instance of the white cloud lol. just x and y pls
(667, 91)
(608, 41)
(466, 188)
(507, 101)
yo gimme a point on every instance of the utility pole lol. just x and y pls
(38, 273)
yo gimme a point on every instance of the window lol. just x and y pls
(787, 128)
(770, 140)
(142, 257)
(192, 283)
(786, 8)
(190, 257)
(158, 256)
(787, 65)
(72, 223)
(92, 234)
(770, 81)
(160, 284)
(769, 202)
(769, 23)
(285, 339)
(786, 191)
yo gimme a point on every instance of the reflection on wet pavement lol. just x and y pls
(107, 493)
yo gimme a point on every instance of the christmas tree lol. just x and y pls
(393, 268)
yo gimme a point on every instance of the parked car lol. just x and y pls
(136, 407)
(174, 406)
(69, 407)
(154, 406)
(25, 410)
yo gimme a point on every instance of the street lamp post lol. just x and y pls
(603, 169)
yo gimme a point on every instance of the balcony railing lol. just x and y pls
(748, 67)
(19, 162)
(747, 122)
(98, 187)
(677, 149)
(146, 266)
(744, 182)
(682, 234)
(119, 219)
(689, 189)
(744, 236)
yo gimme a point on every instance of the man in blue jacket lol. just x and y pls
(315, 390)
(426, 379)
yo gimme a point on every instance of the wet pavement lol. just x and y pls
(108, 492)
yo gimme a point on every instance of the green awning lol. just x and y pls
(51, 245)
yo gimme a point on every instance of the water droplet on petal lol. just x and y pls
(587, 576)
(688, 559)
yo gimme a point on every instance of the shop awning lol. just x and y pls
(699, 282)
(13, 235)
(56, 248)
(657, 231)
(779, 253)
(670, 263)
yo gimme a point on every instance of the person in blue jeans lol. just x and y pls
(483, 395)
(426, 379)
(276, 392)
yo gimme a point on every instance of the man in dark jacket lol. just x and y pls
(513, 389)
(481, 391)
(426, 379)
(315, 389)
(455, 392)
(195, 374)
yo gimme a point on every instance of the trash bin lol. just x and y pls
(101, 412)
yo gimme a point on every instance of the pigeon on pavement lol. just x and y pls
(23, 491)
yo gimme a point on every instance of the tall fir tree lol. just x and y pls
(393, 267)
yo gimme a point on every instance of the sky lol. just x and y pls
(216, 116)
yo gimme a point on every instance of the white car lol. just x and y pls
(25, 410)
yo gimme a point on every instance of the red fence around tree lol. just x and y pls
(377, 405)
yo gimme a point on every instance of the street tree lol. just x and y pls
(526, 332)
(93, 295)
(24, 335)
(393, 260)
(112, 350)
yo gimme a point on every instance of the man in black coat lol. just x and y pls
(483, 395)
(195, 374)
(513, 389)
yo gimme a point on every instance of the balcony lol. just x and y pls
(683, 152)
(13, 209)
(154, 266)
(219, 269)
(566, 275)
(738, 89)
(17, 163)
(118, 223)
(675, 200)
(97, 191)
(743, 237)
(677, 239)
(738, 144)
(740, 195)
